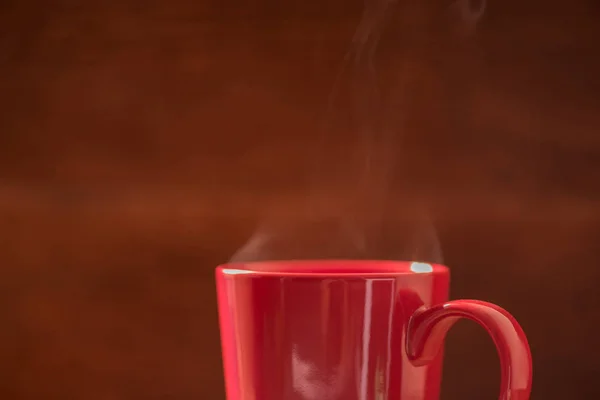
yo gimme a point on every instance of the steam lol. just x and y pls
(471, 11)
(363, 219)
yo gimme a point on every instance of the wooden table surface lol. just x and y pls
(142, 144)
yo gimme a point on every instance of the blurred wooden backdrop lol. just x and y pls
(140, 143)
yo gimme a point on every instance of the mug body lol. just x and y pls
(326, 330)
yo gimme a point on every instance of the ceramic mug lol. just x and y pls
(350, 330)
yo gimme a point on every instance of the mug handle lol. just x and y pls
(427, 329)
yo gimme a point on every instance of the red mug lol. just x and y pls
(350, 330)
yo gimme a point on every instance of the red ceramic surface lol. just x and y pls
(350, 330)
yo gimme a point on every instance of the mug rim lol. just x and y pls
(330, 268)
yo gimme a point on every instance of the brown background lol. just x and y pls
(140, 143)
